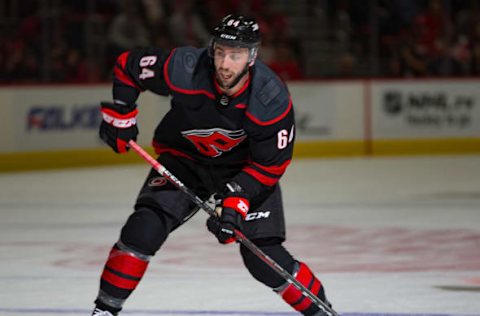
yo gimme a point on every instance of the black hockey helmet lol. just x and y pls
(237, 31)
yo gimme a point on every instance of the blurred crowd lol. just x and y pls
(404, 38)
(77, 41)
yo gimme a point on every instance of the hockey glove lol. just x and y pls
(119, 125)
(235, 207)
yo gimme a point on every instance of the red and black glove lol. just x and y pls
(119, 125)
(234, 209)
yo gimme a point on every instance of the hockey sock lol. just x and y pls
(294, 296)
(123, 271)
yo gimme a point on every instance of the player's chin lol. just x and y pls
(226, 82)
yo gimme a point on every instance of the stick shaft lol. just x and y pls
(238, 234)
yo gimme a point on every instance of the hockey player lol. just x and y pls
(230, 132)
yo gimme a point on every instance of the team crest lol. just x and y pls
(157, 182)
(215, 141)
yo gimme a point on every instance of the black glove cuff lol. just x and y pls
(119, 107)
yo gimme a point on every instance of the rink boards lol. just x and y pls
(56, 126)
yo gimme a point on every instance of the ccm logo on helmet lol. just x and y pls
(228, 36)
(257, 215)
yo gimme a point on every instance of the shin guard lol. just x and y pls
(294, 296)
(122, 272)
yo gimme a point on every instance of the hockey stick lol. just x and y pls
(238, 234)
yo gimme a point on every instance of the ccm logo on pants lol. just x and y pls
(257, 215)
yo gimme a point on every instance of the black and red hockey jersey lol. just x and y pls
(253, 129)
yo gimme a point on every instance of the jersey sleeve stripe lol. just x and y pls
(267, 175)
(263, 179)
(123, 78)
(178, 89)
(122, 59)
(273, 121)
(274, 170)
(119, 71)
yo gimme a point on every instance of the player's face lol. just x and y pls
(229, 63)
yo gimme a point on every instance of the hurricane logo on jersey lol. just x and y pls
(215, 141)
(157, 182)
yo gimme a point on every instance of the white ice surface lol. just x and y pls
(381, 234)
